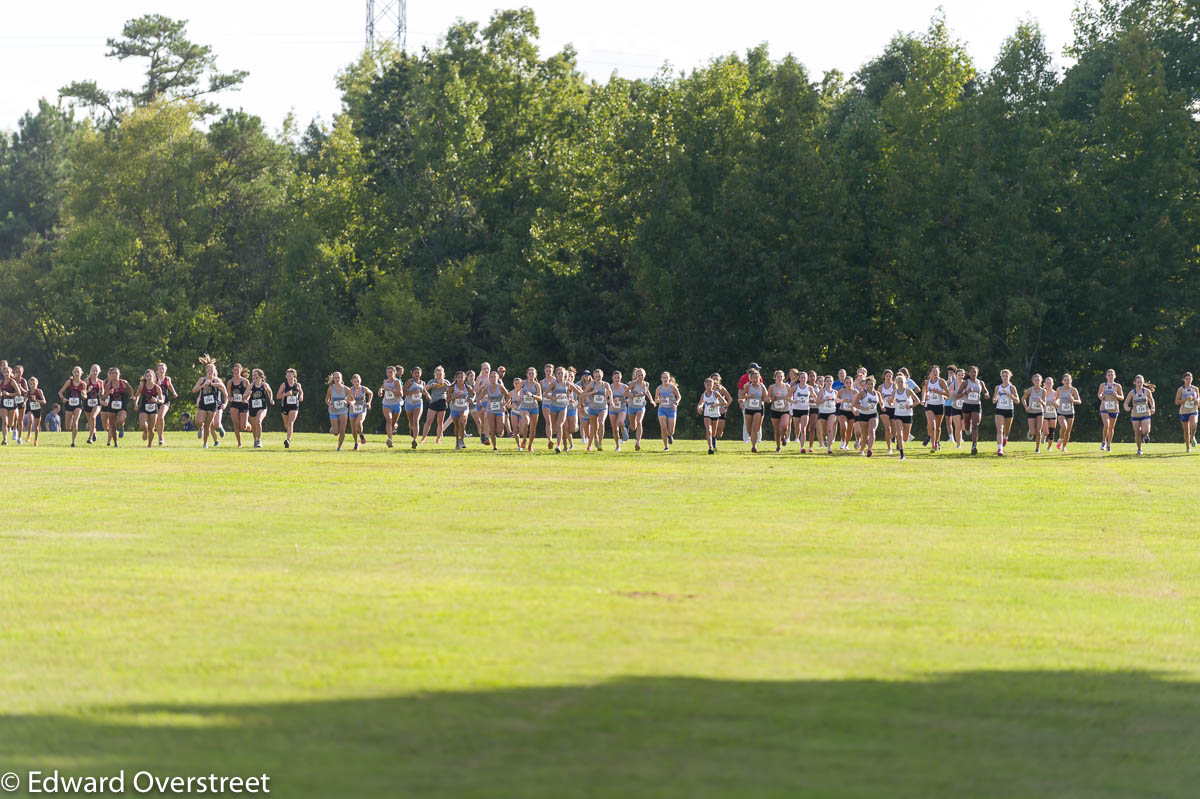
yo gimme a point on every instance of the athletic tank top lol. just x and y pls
(1005, 396)
(291, 399)
(259, 397)
(1108, 400)
(712, 404)
(413, 392)
(1141, 403)
(1189, 396)
(1065, 403)
(238, 391)
(932, 397)
(754, 397)
(666, 397)
(337, 398)
(1035, 399)
(460, 398)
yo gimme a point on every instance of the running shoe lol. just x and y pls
(121, 433)
(287, 445)
(974, 450)
(221, 430)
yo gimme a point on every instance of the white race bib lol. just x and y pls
(973, 397)
(235, 397)
(494, 405)
(387, 395)
(1109, 405)
(828, 406)
(115, 404)
(339, 404)
(460, 403)
(93, 402)
(256, 403)
(291, 399)
(1141, 408)
(35, 406)
(1189, 404)
(149, 407)
(779, 405)
(73, 402)
(638, 402)
(753, 404)
(1005, 402)
(357, 408)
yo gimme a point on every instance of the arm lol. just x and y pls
(1179, 396)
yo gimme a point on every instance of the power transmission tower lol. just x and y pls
(387, 21)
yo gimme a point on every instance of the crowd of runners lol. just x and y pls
(818, 413)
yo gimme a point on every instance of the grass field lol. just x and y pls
(396, 623)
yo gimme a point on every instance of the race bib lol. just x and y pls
(779, 405)
(1004, 401)
(150, 407)
(115, 404)
(73, 402)
(256, 403)
(387, 395)
(598, 401)
(1189, 404)
(828, 407)
(357, 408)
(8, 403)
(460, 403)
(291, 399)
(20, 400)
(638, 402)
(1109, 405)
(1141, 408)
(528, 401)
(35, 406)
(235, 397)
(494, 405)
(339, 404)
(973, 397)
(93, 402)
(753, 404)
(1035, 405)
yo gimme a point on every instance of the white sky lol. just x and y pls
(293, 50)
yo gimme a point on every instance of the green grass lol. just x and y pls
(394, 623)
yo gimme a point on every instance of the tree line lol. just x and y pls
(481, 201)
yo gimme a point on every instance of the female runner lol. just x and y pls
(146, 399)
(617, 408)
(597, 402)
(72, 394)
(260, 397)
(933, 397)
(1110, 395)
(1049, 412)
(845, 413)
(18, 377)
(290, 394)
(239, 402)
(7, 401)
(544, 384)
(1068, 398)
(1034, 402)
(867, 401)
(497, 397)
(724, 392)
(116, 393)
(414, 403)
(93, 402)
(360, 398)
(531, 401)
(1187, 399)
(337, 400)
(1140, 404)
(462, 394)
(903, 400)
(211, 389)
(436, 391)
(886, 391)
(666, 399)
(752, 397)
(814, 412)
(639, 394)
(572, 407)
(479, 412)
(392, 393)
(1005, 400)
(801, 403)
(711, 405)
(779, 396)
(35, 401)
(169, 396)
(971, 391)
(827, 415)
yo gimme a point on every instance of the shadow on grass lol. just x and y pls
(977, 734)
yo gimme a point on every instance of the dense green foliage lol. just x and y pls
(480, 201)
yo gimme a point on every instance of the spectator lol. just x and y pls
(52, 421)
(186, 420)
